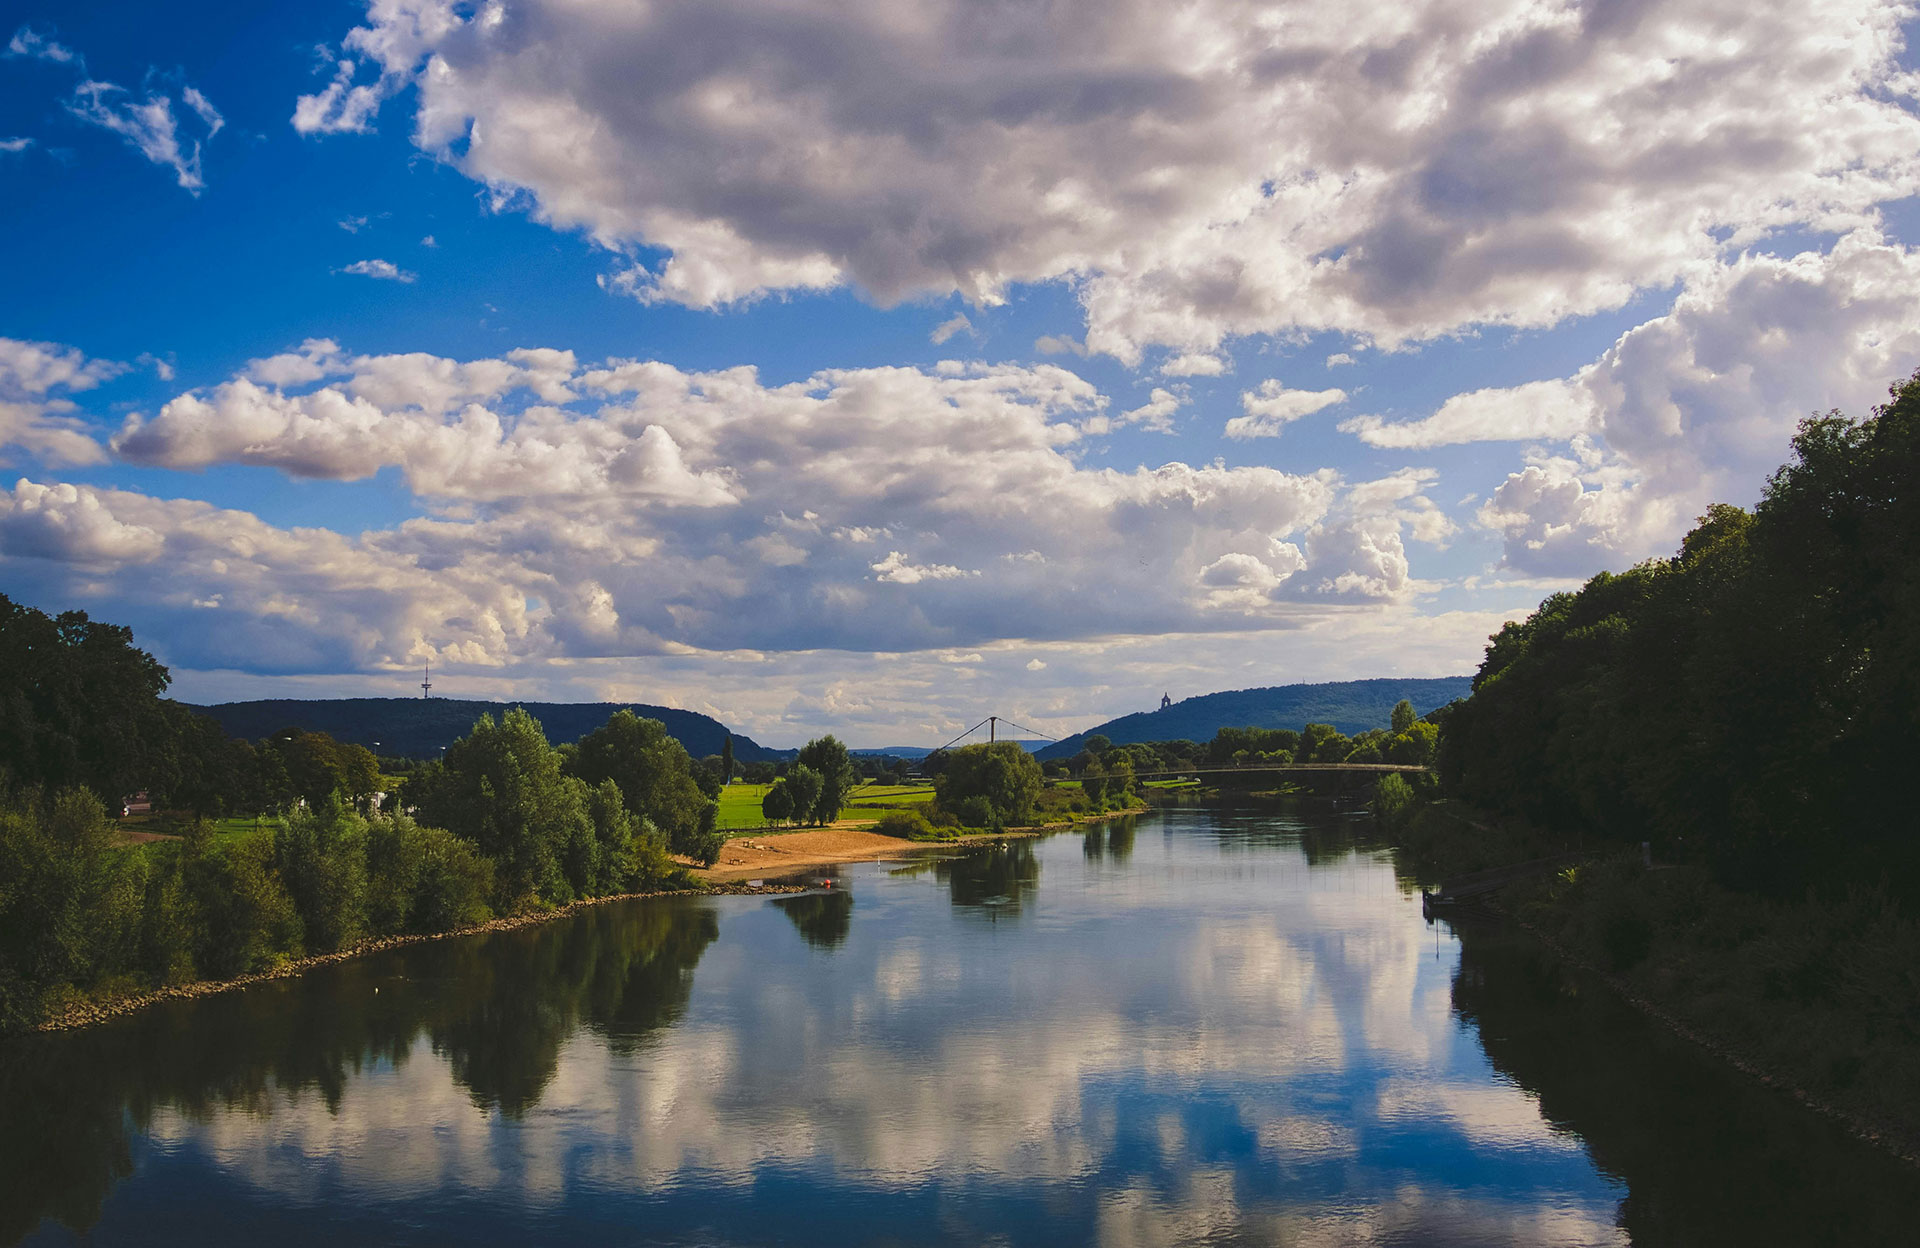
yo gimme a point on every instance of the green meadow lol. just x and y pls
(740, 803)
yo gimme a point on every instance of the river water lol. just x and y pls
(1200, 1027)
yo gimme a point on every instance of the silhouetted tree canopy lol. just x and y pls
(1751, 698)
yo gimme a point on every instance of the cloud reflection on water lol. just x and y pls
(1220, 1040)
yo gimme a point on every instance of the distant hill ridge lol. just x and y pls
(1349, 705)
(420, 727)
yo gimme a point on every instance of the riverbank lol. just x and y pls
(85, 1013)
(745, 859)
(1818, 998)
(757, 856)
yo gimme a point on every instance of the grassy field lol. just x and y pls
(167, 825)
(740, 803)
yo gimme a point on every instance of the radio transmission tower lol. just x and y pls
(426, 681)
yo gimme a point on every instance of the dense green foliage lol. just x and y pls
(815, 787)
(989, 786)
(1747, 701)
(794, 796)
(502, 788)
(81, 912)
(655, 777)
(79, 705)
(830, 761)
(507, 823)
(911, 825)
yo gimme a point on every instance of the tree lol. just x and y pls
(1323, 743)
(317, 766)
(501, 788)
(830, 760)
(321, 855)
(79, 703)
(1093, 783)
(726, 759)
(1000, 773)
(777, 805)
(1750, 699)
(653, 772)
(1120, 781)
(631, 852)
(1403, 716)
(803, 785)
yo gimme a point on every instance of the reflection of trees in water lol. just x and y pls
(995, 878)
(498, 1007)
(1112, 840)
(621, 974)
(822, 919)
(1709, 1156)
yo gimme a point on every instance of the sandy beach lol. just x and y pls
(781, 853)
(771, 855)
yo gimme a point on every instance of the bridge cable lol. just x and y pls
(1033, 731)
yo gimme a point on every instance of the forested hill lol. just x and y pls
(419, 727)
(1349, 705)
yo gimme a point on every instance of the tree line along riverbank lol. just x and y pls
(505, 827)
(1726, 734)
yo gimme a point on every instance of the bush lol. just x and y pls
(423, 879)
(911, 825)
(321, 855)
(395, 853)
(704, 847)
(976, 812)
(454, 883)
(168, 917)
(249, 920)
(1393, 800)
(69, 902)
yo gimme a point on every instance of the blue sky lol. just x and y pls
(857, 368)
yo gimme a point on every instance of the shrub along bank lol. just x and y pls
(506, 825)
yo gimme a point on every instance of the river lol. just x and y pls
(1197, 1027)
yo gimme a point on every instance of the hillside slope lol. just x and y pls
(1349, 705)
(419, 727)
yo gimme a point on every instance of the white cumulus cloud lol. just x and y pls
(1199, 171)
(1272, 407)
(883, 509)
(35, 414)
(385, 270)
(1693, 407)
